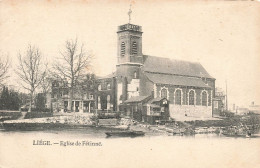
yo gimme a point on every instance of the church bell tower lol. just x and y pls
(129, 45)
(129, 60)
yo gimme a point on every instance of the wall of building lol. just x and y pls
(146, 86)
(104, 92)
(128, 37)
(128, 70)
(191, 111)
(217, 107)
(185, 90)
(196, 110)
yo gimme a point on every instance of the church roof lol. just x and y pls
(175, 80)
(177, 67)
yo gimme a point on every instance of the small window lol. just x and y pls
(99, 87)
(108, 102)
(134, 48)
(91, 96)
(108, 86)
(123, 49)
(135, 75)
(99, 103)
(215, 104)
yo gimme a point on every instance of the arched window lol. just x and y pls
(108, 102)
(134, 48)
(123, 49)
(204, 98)
(191, 97)
(178, 97)
(99, 87)
(164, 93)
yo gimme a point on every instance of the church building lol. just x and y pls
(186, 86)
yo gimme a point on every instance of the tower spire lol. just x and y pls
(129, 13)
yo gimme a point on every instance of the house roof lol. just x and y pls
(153, 105)
(136, 99)
(157, 99)
(177, 67)
(176, 80)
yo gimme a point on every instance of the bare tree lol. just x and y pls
(72, 65)
(31, 71)
(4, 66)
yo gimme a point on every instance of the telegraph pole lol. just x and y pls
(226, 97)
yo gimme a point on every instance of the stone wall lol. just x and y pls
(191, 111)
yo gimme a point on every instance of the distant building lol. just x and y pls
(242, 110)
(254, 108)
(83, 96)
(219, 102)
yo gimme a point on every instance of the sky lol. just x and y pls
(223, 36)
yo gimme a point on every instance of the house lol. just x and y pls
(83, 99)
(105, 93)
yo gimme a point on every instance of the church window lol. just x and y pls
(134, 48)
(178, 97)
(123, 49)
(204, 98)
(191, 97)
(164, 93)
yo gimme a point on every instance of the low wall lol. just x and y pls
(9, 115)
(107, 122)
(37, 115)
(192, 111)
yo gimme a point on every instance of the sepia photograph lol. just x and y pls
(129, 83)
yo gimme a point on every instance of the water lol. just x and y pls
(152, 150)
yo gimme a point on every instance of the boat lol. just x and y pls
(125, 133)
